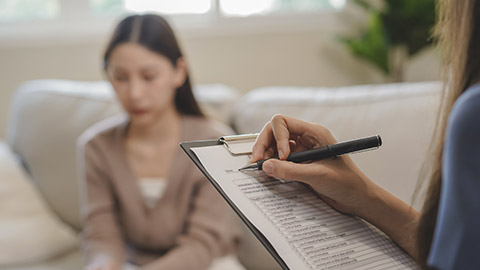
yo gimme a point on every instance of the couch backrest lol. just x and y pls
(403, 114)
(46, 118)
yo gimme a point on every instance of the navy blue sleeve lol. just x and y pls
(456, 241)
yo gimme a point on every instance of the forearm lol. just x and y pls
(184, 257)
(394, 217)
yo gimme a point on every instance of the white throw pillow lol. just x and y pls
(29, 231)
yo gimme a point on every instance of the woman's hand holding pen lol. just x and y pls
(337, 180)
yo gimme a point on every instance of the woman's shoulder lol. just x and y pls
(103, 132)
(202, 128)
(462, 133)
(466, 111)
(458, 220)
(470, 99)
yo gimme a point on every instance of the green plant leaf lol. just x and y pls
(403, 23)
(373, 45)
(409, 23)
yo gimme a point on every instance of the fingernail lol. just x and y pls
(268, 167)
(280, 154)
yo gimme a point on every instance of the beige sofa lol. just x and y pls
(47, 116)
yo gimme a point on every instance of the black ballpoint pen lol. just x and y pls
(324, 152)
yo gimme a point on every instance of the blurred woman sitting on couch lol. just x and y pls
(144, 202)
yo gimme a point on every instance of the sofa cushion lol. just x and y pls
(29, 231)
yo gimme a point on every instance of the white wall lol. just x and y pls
(241, 59)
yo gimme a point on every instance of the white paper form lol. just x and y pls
(305, 231)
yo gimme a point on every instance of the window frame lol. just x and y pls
(76, 23)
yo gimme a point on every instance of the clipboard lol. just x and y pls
(231, 144)
(374, 246)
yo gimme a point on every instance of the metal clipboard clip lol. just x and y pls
(239, 144)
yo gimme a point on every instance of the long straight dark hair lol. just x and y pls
(458, 30)
(154, 33)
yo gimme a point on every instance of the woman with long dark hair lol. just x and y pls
(144, 201)
(446, 234)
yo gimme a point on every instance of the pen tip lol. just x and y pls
(249, 167)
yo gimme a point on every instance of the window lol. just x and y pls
(250, 7)
(223, 7)
(25, 10)
(75, 20)
(169, 7)
(21, 10)
(106, 7)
